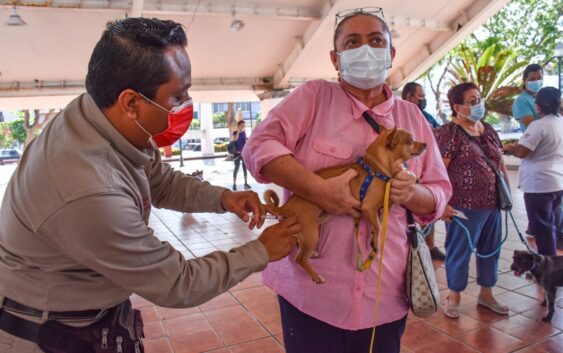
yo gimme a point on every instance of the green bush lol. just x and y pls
(195, 125)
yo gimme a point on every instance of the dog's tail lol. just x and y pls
(272, 202)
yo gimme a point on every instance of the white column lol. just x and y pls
(266, 105)
(206, 112)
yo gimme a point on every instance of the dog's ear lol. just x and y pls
(392, 139)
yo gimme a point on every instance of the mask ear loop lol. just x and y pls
(153, 102)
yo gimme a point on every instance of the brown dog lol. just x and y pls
(391, 147)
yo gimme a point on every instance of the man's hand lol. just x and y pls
(279, 239)
(403, 185)
(240, 203)
(336, 197)
(449, 212)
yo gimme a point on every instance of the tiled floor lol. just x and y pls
(246, 319)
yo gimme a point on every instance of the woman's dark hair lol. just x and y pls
(549, 100)
(455, 94)
(130, 54)
(338, 28)
(528, 70)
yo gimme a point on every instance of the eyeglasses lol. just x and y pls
(474, 101)
(374, 11)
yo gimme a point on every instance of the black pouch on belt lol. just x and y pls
(119, 331)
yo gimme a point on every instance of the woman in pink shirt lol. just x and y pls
(319, 125)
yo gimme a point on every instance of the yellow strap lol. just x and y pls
(380, 268)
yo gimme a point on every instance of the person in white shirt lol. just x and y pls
(541, 171)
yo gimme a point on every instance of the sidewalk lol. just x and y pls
(246, 318)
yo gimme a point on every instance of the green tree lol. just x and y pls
(219, 120)
(18, 130)
(524, 31)
(527, 27)
(495, 71)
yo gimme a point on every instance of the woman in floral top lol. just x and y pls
(462, 143)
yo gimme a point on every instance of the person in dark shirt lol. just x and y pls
(414, 93)
(239, 136)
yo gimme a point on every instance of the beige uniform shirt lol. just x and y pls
(73, 223)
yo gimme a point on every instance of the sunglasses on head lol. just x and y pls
(374, 11)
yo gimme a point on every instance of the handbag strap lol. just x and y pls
(474, 140)
(411, 229)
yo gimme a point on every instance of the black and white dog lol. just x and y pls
(548, 271)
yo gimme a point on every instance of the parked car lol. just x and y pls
(9, 156)
(220, 140)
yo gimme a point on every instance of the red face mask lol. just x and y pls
(179, 120)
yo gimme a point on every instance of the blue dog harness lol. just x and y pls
(369, 177)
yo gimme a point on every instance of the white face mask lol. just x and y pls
(365, 67)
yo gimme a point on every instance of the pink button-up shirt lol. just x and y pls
(321, 125)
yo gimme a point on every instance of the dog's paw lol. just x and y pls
(319, 279)
(547, 318)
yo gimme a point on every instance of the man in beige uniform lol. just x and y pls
(74, 239)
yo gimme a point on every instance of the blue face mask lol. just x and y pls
(477, 111)
(534, 86)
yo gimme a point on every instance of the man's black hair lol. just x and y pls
(549, 100)
(409, 89)
(130, 54)
(528, 70)
(339, 27)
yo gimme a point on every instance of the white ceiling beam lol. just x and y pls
(283, 73)
(418, 23)
(189, 7)
(50, 88)
(467, 22)
(137, 8)
(241, 9)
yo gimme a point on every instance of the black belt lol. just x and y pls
(55, 315)
(38, 333)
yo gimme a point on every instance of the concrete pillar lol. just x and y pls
(206, 112)
(266, 105)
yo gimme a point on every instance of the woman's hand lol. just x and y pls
(449, 212)
(335, 196)
(403, 186)
(242, 202)
(508, 148)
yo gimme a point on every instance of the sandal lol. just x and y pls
(496, 307)
(451, 310)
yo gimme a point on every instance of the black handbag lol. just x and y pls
(503, 191)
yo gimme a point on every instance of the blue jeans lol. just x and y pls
(485, 229)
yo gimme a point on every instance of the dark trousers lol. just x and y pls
(305, 334)
(238, 160)
(542, 212)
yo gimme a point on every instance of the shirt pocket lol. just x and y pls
(332, 150)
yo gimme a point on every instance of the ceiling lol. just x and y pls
(283, 43)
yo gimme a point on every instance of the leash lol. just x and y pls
(522, 239)
(472, 246)
(424, 232)
(380, 267)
